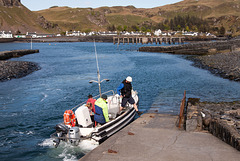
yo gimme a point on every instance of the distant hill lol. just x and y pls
(86, 19)
(17, 18)
(216, 12)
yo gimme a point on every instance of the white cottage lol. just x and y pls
(32, 34)
(4, 34)
(158, 32)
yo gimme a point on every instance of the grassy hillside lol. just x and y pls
(21, 19)
(93, 19)
(217, 13)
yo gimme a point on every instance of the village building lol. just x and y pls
(5, 34)
(31, 34)
(158, 32)
(20, 36)
(73, 33)
(191, 33)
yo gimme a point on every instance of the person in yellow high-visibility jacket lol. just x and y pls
(101, 110)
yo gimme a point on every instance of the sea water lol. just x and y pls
(31, 106)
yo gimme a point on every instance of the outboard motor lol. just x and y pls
(74, 136)
(61, 130)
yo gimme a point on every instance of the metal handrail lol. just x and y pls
(182, 106)
(93, 97)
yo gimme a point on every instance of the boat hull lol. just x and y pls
(85, 128)
(113, 126)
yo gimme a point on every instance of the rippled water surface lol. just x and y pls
(30, 107)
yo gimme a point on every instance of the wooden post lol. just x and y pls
(160, 40)
(182, 106)
(170, 40)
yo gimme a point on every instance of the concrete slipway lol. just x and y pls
(155, 137)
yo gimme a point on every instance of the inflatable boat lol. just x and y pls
(82, 127)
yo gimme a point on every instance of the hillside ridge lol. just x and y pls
(122, 18)
(10, 3)
(17, 18)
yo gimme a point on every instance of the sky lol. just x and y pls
(36, 5)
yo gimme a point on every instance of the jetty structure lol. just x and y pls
(4, 55)
(146, 40)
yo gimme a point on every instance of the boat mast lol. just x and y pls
(98, 73)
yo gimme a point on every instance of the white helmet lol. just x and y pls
(129, 79)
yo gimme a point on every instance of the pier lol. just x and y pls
(146, 40)
(4, 55)
(156, 137)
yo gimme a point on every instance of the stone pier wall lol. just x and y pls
(220, 119)
(198, 48)
(4, 55)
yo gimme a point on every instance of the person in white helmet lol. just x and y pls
(125, 91)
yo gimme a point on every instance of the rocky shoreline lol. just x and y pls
(16, 69)
(225, 65)
(221, 58)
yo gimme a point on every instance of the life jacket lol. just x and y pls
(69, 118)
(101, 109)
(126, 91)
